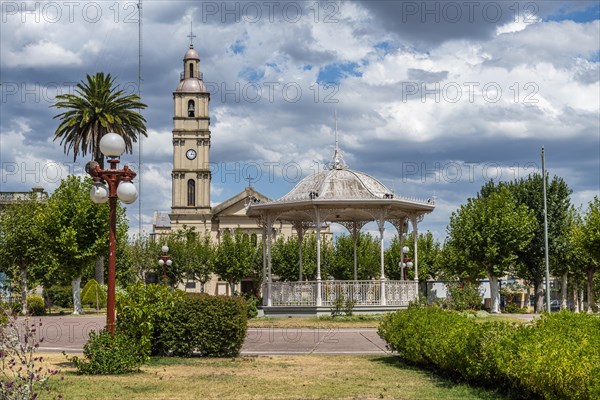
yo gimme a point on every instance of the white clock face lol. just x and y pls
(190, 154)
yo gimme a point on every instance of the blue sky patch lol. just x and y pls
(589, 14)
(334, 73)
(385, 46)
(238, 47)
(251, 74)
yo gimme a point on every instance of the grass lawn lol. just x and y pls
(278, 377)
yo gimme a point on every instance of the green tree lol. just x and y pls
(79, 231)
(192, 256)
(587, 237)
(23, 249)
(236, 257)
(285, 258)
(529, 191)
(367, 257)
(98, 106)
(140, 255)
(429, 252)
(490, 232)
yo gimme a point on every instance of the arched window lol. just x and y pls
(191, 70)
(191, 108)
(191, 188)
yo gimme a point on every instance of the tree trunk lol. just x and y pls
(99, 270)
(232, 288)
(563, 292)
(575, 298)
(23, 290)
(590, 289)
(76, 287)
(581, 307)
(538, 297)
(495, 294)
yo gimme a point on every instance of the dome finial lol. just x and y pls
(337, 162)
(191, 36)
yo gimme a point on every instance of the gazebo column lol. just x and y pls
(381, 223)
(354, 234)
(269, 264)
(318, 230)
(300, 231)
(414, 221)
(264, 256)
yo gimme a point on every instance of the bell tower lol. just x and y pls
(191, 144)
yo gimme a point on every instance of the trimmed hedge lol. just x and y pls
(36, 306)
(556, 357)
(213, 326)
(171, 322)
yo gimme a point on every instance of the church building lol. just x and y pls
(191, 175)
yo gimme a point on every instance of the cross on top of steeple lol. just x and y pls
(191, 36)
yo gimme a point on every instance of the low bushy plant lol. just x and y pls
(143, 311)
(106, 355)
(464, 296)
(555, 357)
(253, 302)
(23, 373)
(93, 295)
(36, 306)
(164, 321)
(59, 296)
(213, 326)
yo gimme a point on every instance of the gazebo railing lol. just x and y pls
(361, 293)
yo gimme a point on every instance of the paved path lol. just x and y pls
(69, 333)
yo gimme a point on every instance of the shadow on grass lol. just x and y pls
(442, 381)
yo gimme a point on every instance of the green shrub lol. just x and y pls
(59, 296)
(105, 355)
(36, 306)
(142, 313)
(252, 302)
(93, 295)
(512, 308)
(556, 357)
(464, 296)
(169, 322)
(212, 326)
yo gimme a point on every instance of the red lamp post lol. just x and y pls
(165, 261)
(405, 262)
(110, 184)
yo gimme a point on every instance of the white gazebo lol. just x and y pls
(352, 199)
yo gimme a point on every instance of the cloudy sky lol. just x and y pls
(433, 98)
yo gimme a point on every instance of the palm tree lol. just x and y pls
(98, 107)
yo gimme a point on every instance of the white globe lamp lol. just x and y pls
(127, 192)
(99, 193)
(112, 145)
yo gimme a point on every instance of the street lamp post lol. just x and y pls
(165, 261)
(110, 184)
(404, 261)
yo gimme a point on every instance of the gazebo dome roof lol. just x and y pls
(338, 183)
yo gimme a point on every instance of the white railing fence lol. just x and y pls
(361, 293)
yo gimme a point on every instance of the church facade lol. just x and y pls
(191, 175)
